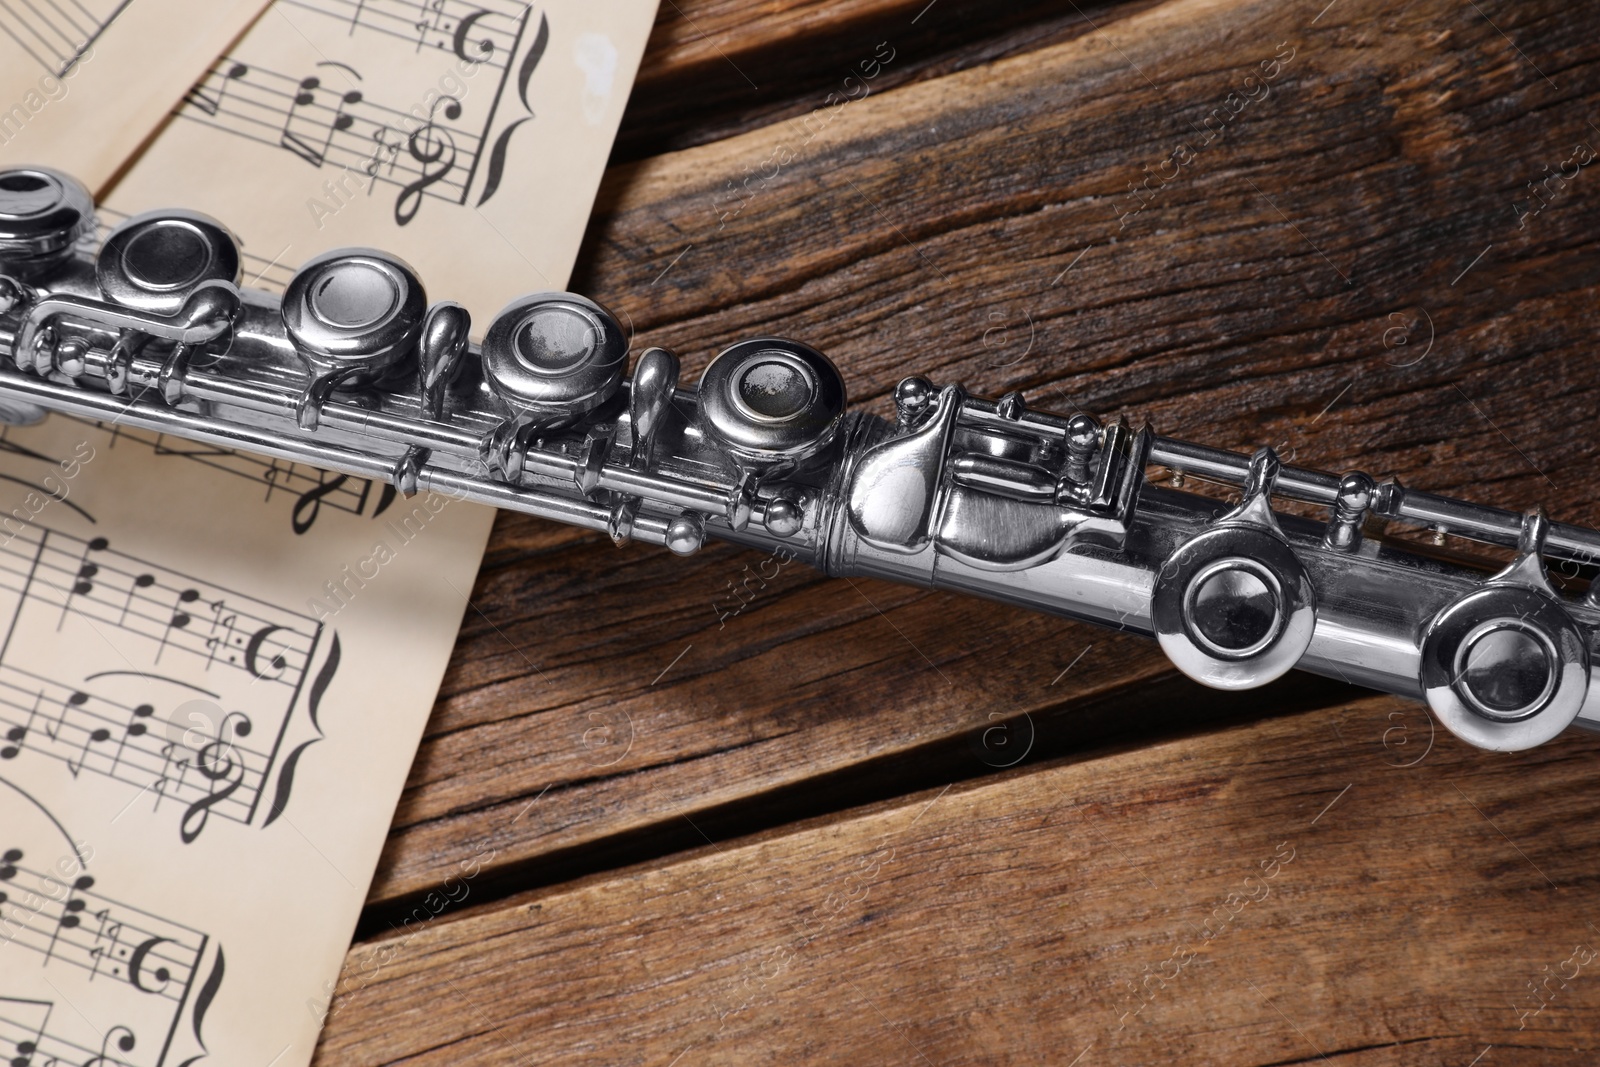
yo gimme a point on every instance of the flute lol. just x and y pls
(353, 370)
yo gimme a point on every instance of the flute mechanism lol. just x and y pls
(354, 370)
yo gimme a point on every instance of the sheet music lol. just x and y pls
(452, 133)
(214, 671)
(159, 972)
(57, 36)
(214, 667)
(83, 82)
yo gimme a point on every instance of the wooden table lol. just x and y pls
(834, 821)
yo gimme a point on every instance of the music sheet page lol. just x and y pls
(444, 131)
(213, 674)
(84, 82)
(214, 668)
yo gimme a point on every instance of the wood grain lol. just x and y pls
(1332, 887)
(715, 68)
(968, 226)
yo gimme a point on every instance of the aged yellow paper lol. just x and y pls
(83, 82)
(213, 675)
(215, 669)
(452, 133)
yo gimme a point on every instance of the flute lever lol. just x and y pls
(655, 378)
(891, 499)
(443, 344)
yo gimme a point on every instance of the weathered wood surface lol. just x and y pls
(1320, 888)
(714, 68)
(976, 226)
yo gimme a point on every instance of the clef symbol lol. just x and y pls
(435, 153)
(137, 973)
(309, 504)
(220, 764)
(257, 663)
(124, 1040)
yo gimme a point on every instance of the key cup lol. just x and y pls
(354, 315)
(43, 216)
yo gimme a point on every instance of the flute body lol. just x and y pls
(353, 370)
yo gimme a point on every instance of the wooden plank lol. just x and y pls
(715, 68)
(1333, 887)
(1252, 300)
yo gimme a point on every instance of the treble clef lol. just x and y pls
(125, 1042)
(309, 504)
(435, 151)
(217, 763)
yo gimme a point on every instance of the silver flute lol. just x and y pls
(354, 371)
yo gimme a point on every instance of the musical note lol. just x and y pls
(188, 596)
(121, 633)
(210, 765)
(112, 591)
(16, 736)
(93, 737)
(211, 101)
(83, 583)
(293, 141)
(178, 619)
(140, 581)
(136, 727)
(148, 955)
(75, 699)
(24, 1038)
(70, 917)
(303, 145)
(485, 29)
(327, 127)
(343, 493)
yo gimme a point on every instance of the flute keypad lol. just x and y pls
(554, 356)
(154, 261)
(769, 401)
(355, 312)
(43, 215)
